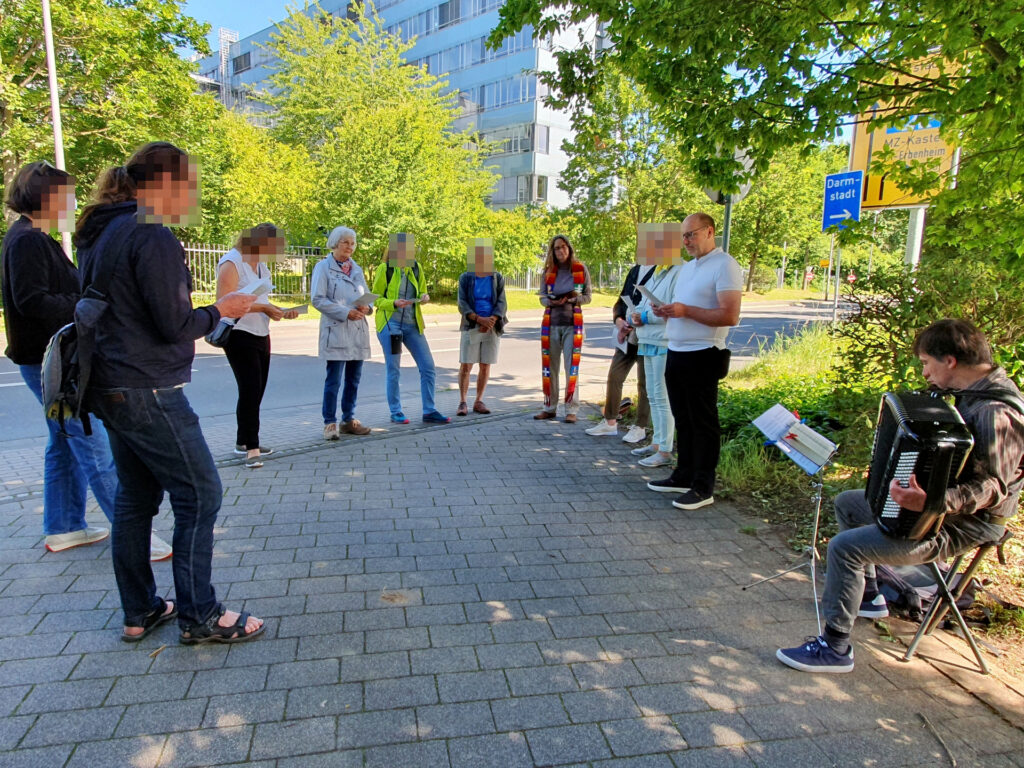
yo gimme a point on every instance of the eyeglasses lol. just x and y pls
(690, 235)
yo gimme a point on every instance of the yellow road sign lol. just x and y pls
(824, 263)
(916, 140)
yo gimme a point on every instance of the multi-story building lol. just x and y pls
(499, 93)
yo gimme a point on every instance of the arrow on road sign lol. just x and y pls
(842, 198)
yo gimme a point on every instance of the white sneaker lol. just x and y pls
(158, 549)
(645, 450)
(658, 459)
(58, 542)
(604, 428)
(634, 435)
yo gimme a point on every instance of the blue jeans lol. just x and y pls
(657, 395)
(71, 466)
(158, 446)
(416, 343)
(353, 372)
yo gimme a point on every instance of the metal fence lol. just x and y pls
(291, 273)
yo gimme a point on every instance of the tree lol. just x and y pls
(121, 82)
(770, 76)
(378, 131)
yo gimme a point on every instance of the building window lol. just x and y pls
(542, 187)
(541, 133)
(241, 63)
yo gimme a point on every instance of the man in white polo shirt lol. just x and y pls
(705, 303)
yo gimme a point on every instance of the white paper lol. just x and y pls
(261, 287)
(806, 448)
(366, 300)
(654, 300)
(304, 309)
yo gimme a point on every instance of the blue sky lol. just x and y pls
(243, 16)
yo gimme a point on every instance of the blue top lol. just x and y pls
(483, 296)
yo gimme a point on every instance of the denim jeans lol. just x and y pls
(416, 343)
(657, 395)
(860, 545)
(158, 446)
(353, 372)
(72, 465)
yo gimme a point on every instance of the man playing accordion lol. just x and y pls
(954, 356)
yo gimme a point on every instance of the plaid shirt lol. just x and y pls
(992, 479)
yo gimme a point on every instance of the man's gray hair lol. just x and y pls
(336, 234)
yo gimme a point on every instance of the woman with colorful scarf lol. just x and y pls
(565, 289)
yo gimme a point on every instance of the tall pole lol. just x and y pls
(727, 224)
(828, 272)
(58, 130)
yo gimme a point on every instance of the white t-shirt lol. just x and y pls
(699, 283)
(256, 323)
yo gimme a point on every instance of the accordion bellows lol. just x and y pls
(917, 433)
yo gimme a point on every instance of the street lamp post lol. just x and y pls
(58, 131)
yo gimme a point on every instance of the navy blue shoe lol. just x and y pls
(816, 656)
(874, 608)
(399, 418)
(435, 418)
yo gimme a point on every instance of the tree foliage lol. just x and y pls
(120, 79)
(772, 76)
(377, 130)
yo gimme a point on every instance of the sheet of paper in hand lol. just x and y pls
(261, 287)
(366, 300)
(646, 293)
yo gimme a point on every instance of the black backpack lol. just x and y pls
(67, 362)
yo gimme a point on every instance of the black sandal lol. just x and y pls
(151, 621)
(212, 632)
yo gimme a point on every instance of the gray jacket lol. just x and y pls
(466, 301)
(333, 293)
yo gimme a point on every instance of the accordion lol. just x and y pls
(921, 434)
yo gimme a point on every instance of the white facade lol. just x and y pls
(499, 92)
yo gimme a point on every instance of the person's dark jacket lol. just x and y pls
(629, 289)
(147, 336)
(466, 282)
(40, 289)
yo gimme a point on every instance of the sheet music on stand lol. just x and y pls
(811, 452)
(806, 448)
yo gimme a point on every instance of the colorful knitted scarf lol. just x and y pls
(578, 279)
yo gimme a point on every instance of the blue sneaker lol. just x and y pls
(435, 418)
(816, 656)
(399, 418)
(874, 608)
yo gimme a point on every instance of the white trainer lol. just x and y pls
(658, 459)
(58, 542)
(644, 450)
(603, 428)
(634, 435)
(158, 549)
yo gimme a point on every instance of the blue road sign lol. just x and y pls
(842, 198)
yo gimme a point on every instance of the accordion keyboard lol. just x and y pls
(904, 469)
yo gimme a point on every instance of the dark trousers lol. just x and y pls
(622, 362)
(249, 357)
(158, 446)
(692, 382)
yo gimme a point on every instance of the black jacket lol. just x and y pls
(466, 282)
(629, 289)
(147, 336)
(40, 289)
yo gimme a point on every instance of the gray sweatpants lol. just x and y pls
(860, 544)
(561, 352)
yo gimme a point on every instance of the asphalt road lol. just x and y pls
(296, 376)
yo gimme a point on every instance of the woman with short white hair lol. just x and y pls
(338, 284)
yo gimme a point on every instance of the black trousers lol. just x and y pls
(692, 382)
(249, 357)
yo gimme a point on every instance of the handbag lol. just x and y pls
(218, 337)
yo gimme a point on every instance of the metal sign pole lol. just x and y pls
(58, 130)
(727, 223)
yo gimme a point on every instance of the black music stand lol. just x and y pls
(811, 452)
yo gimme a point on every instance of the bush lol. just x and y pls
(764, 279)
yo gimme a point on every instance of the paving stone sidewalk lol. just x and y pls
(501, 592)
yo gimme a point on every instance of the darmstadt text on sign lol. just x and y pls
(915, 139)
(842, 199)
